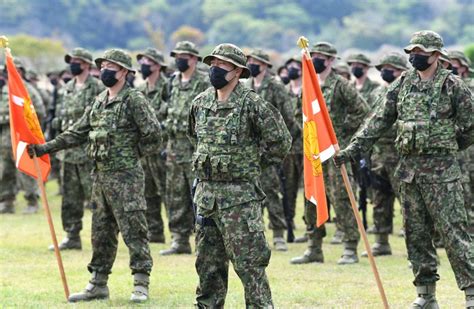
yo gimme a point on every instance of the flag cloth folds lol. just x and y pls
(24, 125)
(320, 142)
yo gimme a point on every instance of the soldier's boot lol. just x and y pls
(337, 238)
(157, 238)
(179, 245)
(349, 255)
(140, 287)
(32, 207)
(96, 289)
(301, 239)
(381, 246)
(426, 298)
(7, 207)
(71, 242)
(469, 297)
(314, 253)
(279, 240)
(372, 230)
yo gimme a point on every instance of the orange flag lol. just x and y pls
(320, 142)
(24, 125)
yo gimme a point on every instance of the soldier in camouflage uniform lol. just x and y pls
(237, 135)
(76, 182)
(273, 92)
(347, 109)
(119, 127)
(11, 180)
(360, 65)
(384, 159)
(432, 110)
(155, 88)
(186, 84)
(343, 70)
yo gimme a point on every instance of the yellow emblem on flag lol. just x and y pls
(311, 146)
(32, 119)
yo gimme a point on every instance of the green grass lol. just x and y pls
(29, 276)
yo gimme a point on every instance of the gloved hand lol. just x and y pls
(37, 149)
(341, 157)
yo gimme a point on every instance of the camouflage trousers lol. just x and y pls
(310, 218)
(179, 204)
(437, 206)
(339, 199)
(273, 202)
(119, 206)
(155, 180)
(385, 188)
(76, 185)
(238, 237)
(292, 171)
(11, 180)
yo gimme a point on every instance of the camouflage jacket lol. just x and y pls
(72, 103)
(430, 116)
(367, 91)
(345, 105)
(297, 147)
(179, 148)
(234, 141)
(117, 131)
(5, 138)
(158, 96)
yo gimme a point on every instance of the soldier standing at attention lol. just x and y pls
(185, 86)
(155, 88)
(237, 134)
(119, 120)
(76, 182)
(432, 110)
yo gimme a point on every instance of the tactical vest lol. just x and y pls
(420, 130)
(224, 152)
(70, 110)
(113, 140)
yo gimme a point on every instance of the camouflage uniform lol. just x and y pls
(229, 155)
(11, 180)
(432, 117)
(179, 151)
(369, 86)
(117, 132)
(347, 109)
(76, 167)
(274, 92)
(154, 164)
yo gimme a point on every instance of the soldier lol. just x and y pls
(155, 88)
(445, 61)
(343, 70)
(282, 73)
(10, 178)
(384, 159)
(76, 182)
(273, 92)
(119, 120)
(237, 134)
(185, 86)
(360, 65)
(432, 110)
(347, 109)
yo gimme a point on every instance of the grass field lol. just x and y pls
(29, 276)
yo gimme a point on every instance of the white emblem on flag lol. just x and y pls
(20, 149)
(315, 106)
(18, 101)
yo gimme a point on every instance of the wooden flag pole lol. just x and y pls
(348, 186)
(44, 200)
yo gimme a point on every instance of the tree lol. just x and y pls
(188, 33)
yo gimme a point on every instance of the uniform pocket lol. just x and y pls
(255, 219)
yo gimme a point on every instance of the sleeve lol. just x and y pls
(146, 121)
(357, 107)
(285, 105)
(192, 124)
(463, 101)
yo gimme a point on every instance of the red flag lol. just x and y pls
(320, 142)
(24, 125)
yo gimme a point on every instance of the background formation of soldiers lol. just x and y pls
(246, 155)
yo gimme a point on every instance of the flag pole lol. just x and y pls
(303, 43)
(44, 200)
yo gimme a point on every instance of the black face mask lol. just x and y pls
(217, 77)
(419, 62)
(254, 69)
(182, 64)
(319, 65)
(455, 71)
(2, 83)
(293, 73)
(146, 70)
(66, 79)
(54, 82)
(108, 77)
(387, 75)
(285, 80)
(358, 72)
(75, 68)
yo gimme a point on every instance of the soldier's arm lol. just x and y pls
(357, 107)
(145, 119)
(463, 100)
(192, 124)
(285, 104)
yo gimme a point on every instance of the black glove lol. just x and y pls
(341, 157)
(37, 149)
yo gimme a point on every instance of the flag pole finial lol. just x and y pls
(303, 42)
(3, 41)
